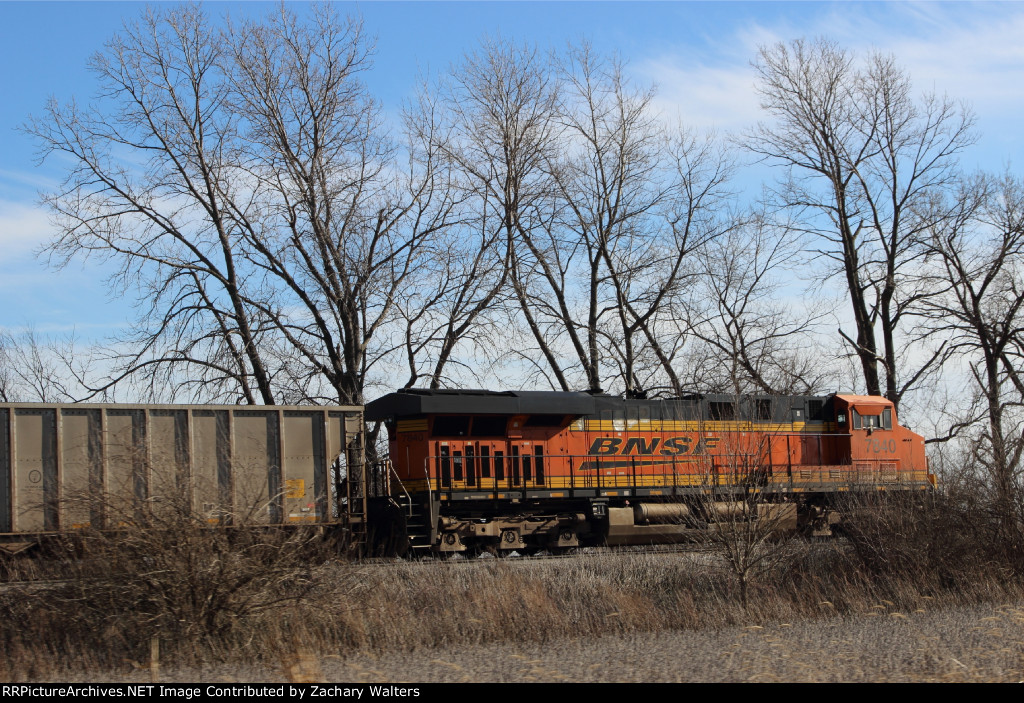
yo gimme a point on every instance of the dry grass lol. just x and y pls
(981, 643)
(218, 596)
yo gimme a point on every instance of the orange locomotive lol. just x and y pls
(511, 470)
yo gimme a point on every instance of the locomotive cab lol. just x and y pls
(881, 450)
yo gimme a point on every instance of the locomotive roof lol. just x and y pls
(415, 401)
(412, 402)
(864, 399)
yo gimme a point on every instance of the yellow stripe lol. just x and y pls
(800, 481)
(412, 425)
(700, 426)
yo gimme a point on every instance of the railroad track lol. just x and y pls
(34, 584)
(458, 559)
(436, 560)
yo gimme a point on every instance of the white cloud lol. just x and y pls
(705, 97)
(23, 180)
(969, 52)
(23, 228)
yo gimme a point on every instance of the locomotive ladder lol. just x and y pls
(419, 515)
(353, 499)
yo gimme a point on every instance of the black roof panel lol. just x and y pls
(416, 401)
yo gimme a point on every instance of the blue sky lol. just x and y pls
(697, 53)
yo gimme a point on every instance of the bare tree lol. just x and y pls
(600, 206)
(7, 381)
(241, 180)
(860, 154)
(753, 328)
(606, 177)
(497, 110)
(639, 200)
(334, 226)
(40, 368)
(452, 310)
(699, 213)
(978, 257)
(747, 524)
(149, 187)
(452, 307)
(751, 534)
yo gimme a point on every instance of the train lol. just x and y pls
(464, 470)
(476, 470)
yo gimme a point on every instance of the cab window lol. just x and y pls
(863, 421)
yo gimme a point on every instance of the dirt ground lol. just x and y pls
(976, 644)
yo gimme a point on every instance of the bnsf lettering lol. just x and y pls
(606, 446)
(706, 443)
(675, 445)
(638, 445)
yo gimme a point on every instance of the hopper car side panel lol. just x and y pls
(66, 467)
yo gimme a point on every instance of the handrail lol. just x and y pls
(670, 471)
(401, 485)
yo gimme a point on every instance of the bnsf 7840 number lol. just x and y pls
(881, 446)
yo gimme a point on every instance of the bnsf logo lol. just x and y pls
(673, 446)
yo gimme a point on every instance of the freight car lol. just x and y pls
(67, 467)
(514, 470)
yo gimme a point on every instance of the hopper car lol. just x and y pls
(470, 470)
(67, 467)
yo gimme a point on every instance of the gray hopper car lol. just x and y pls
(67, 467)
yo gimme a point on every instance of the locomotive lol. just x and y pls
(515, 470)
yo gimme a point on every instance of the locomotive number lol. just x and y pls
(881, 446)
